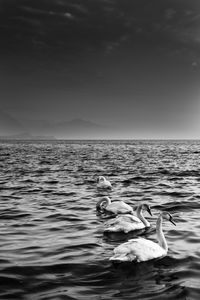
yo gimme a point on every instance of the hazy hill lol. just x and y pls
(38, 127)
(74, 129)
(9, 125)
(79, 129)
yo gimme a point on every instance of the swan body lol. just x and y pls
(103, 183)
(141, 249)
(127, 223)
(116, 207)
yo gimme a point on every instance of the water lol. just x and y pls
(52, 244)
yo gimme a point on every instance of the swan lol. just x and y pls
(116, 207)
(127, 223)
(141, 249)
(103, 183)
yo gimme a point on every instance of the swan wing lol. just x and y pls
(122, 218)
(139, 250)
(132, 219)
(145, 249)
(122, 254)
(103, 183)
(128, 218)
(114, 221)
(124, 224)
(108, 184)
(124, 227)
(119, 207)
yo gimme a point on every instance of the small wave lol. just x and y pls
(175, 194)
(129, 181)
(67, 194)
(178, 206)
(51, 181)
(13, 214)
(175, 175)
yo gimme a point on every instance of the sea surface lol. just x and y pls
(52, 244)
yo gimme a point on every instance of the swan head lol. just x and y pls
(167, 216)
(147, 208)
(101, 204)
(101, 179)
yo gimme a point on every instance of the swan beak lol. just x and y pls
(149, 210)
(172, 221)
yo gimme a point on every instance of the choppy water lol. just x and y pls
(51, 240)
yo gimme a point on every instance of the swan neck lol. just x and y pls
(141, 217)
(160, 235)
(103, 203)
(106, 201)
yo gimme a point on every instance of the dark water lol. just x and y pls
(52, 244)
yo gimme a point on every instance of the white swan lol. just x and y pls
(127, 223)
(141, 249)
(103, 183)
(116, 207)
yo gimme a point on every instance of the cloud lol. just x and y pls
(69, 16)
(79, 8)
(170, 13)
(35, 11)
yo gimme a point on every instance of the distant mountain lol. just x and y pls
(38, 129)
(11, 128)
(73, 129)
(79, 129)
(79, 123)
(9, 125)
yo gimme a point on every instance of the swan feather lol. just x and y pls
(138, 250)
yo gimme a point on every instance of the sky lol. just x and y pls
(130, 65)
